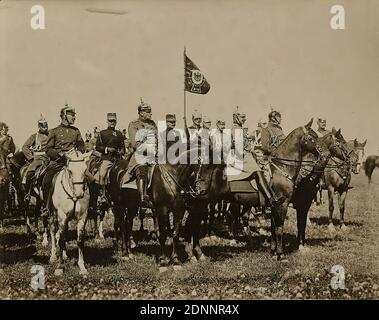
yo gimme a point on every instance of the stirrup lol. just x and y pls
(27, 197)
(276, 202)
(45, 212)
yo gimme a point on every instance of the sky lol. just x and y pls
(255, 54)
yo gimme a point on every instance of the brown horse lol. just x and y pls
(337, 177)
(370, 164)
(285, 166)
(170, 186)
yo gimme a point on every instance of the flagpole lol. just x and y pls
(185, 105)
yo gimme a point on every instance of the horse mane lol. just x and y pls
(283, 145)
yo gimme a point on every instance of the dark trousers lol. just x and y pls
(53, 168)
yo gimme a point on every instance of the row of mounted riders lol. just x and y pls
(296, 166)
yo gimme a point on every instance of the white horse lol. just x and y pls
(70, 199)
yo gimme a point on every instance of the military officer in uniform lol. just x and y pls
(217, 138)
(239, 120)
(169, 137)
(143, 140)
(110, 144)
(272, 135)
(60, 140)
(321, 130)
(6, 141)
(34, 150)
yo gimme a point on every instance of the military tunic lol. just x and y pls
(108, 138)
(35, 149)
(62, 139)
(271, 137)
(142, 134)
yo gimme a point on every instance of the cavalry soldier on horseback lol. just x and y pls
(34, 150)
(272, 135)
(239, 120)
(6, 141)
(169, 137)
(110, 143)
(60, 140)
(321, 130)
(142, 136)
(217, 141)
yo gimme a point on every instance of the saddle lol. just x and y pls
(126, 183)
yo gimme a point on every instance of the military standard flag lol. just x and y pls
(195, 81)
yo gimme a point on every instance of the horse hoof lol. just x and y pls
(58, 272)
(163, 269)
(233, 242)
(203, 257)
(177, 267)
(193, 259)
(344, 228)
(124, 258)
(45, 243)
(331, 227)
(132, 244)
(303, 249)
(52, 260)
(83, 272)
(131, 256)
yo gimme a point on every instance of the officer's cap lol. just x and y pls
(111, 116)
(170, 117)
(196, 115)
(206, 120)
(273, 114)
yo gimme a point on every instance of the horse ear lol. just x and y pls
(309, 124)
(339, 131)
(364, 143)
(334, 131)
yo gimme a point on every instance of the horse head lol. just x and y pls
(76, 166)
(356, 153)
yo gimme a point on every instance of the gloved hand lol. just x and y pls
(111, 150)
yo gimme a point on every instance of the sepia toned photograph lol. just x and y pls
(189, 150)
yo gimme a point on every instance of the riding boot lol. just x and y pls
(28, 185)
(144, 198)
(266, 190)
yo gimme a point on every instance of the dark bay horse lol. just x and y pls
(311, 172)
(285, 166)
(337, 177)
(170, 186)
(371, 163)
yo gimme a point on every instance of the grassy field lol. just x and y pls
(232, 271)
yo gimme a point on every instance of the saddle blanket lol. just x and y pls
(244, 186)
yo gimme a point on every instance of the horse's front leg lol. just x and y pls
(178, 217)
(162, 215)
(53, 231)
(199, 214)
(80, 240)
(341, 202)
(331, 207)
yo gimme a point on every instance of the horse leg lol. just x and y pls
(80, 230)
(188, 247)
(53, 230)
(341, 202)
(175, 239)
(162, 214)
(278, 219)
(130, 215)
(331, 207)
(101, 220)
(200, 213)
